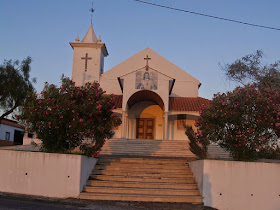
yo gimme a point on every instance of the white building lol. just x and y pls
(154, 96)
(11, 131)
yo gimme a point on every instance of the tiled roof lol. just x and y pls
(186, 103)
(118, 101)
(11, 123)
(177, 103)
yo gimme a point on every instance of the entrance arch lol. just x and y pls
(145, 115)
(145, 95)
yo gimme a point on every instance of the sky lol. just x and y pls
(198, 45)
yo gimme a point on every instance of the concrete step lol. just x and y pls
(141, 197)
(141, 147)
(190, 186)
(143, 143)
(151, 154)
(144, 169)
(146, 140)
(148, 147)
(100, 162)
(147, 153)
(141, 160)
(142, 179)
(141, 174)
(144, 166)
(151, 191)
(170, 146)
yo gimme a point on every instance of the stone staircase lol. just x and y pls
(148, 148)
(142, 179)
(216, 152)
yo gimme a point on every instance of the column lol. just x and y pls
(165, 127)
(124, 124)
(127, 125)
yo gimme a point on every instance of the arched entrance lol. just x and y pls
(145, 95)
(145, 115)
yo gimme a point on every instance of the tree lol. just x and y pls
(15, 84)
(68, 117)
(198, 145)
(250, 70)
(245, 122)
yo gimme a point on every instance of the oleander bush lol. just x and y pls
(244, 122)
(69, 117)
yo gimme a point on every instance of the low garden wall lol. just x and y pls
(238, 185)
(44, 174)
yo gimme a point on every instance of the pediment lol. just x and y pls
(146, 78)
(157, 63)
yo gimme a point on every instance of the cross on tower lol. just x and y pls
(147, 62)
(86, 58)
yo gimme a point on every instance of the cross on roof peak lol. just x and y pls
(147, 62)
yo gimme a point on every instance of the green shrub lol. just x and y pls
(198, 146)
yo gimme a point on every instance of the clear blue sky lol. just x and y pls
(43, 30)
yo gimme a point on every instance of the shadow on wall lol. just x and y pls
(206, 192)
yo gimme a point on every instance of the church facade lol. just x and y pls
(154, 97)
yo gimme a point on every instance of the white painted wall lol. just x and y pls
(130, 89)
(236, 185)
(8, 128)
(176, 133)
(44, 174)
(79, 76)
(185, 85)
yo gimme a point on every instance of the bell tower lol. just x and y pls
(88, 58)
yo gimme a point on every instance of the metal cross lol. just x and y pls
(92, 11)
(86, 59)
(147, 62)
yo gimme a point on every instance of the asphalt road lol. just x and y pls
(18, 204)
(26, 203)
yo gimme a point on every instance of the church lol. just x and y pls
(154, 97)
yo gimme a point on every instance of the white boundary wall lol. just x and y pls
(238, 185)
(44, 174)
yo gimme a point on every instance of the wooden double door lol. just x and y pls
(145, 128)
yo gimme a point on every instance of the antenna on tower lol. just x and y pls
(92, 11)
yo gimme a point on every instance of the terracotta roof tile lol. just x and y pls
(119, 99)
(11, 123)
(177, 103)
(186, 103)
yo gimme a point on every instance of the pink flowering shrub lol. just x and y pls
(64, 116)
(245, 122)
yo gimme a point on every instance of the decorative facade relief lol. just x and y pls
(146, 80)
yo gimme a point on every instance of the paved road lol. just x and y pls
(18, 204)
(11, 203)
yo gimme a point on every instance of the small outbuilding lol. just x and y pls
(11, 132)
